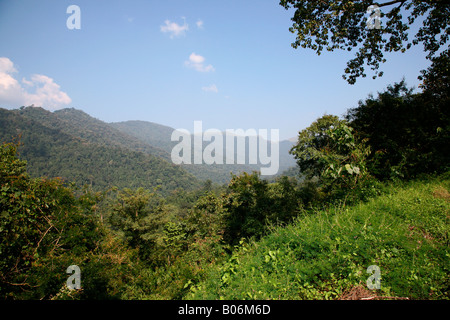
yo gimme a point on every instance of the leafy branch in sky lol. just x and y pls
(342, 24)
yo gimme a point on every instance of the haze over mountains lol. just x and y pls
(71, 144)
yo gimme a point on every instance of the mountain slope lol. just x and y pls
(52, 152)
(160, 136)
(79, 124)
(151, 133)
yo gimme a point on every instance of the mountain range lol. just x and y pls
(71, 144)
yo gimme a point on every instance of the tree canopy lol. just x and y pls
(346, 25)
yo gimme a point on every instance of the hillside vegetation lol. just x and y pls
(325, 255)
(160, 136)
(139, 141)
(84, 155)
(365, 212)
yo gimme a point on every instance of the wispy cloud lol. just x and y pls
(174, 29)
(46, 93)
(211, 88)
(199, 24)
(197, 63)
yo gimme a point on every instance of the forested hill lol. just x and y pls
(154, 134)
(159, 136)
(46, 137)
(77, 151)
(78, 123)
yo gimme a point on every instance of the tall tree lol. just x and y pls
(408, 133)
(436, 79)
(139, 216)
(345, 25)
(329, 151)
(310, 142)
(40, 235)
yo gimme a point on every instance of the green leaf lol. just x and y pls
(349, 168)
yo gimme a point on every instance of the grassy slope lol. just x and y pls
(405, 232)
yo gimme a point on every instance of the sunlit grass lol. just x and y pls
(405, 232)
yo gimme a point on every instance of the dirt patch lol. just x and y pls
(362, 293)
(358, 293)
(441, 193)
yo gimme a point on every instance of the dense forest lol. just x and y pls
(360, 209)
(85, 156)
(374, 190)
(86, 142)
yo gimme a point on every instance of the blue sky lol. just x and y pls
(227, 63)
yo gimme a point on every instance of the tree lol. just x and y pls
(251, 204)
(138, 216)
(247, 206)
(329, 151)
(343, 24)
(345, 161)
(408, 133)
(205, 219)
(436, 79)
(310, 142)
(40, 236)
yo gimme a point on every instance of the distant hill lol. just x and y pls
(79, 124)
(65, 144)
(151, 133)
(49, 137)
(159, 136)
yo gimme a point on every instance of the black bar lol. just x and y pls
(232, 309)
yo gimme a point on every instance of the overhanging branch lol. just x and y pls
(390, 3)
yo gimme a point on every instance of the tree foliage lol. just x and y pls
(345, 160)
(329, 152)
(138, 217)
(436, 79)
(44, 229)
(252, 204)
(310, 142)
(408, 133)
(342, 24)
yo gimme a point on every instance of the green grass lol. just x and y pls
(405, 232)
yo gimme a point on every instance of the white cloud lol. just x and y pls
(7, 82)
(195, 58)
(174, 28)
(199, 24)
(196, 62)
(46, 93)
(6, 65)
(211, 88)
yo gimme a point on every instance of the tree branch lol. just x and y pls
(390, 3)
